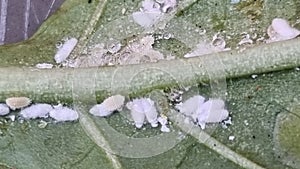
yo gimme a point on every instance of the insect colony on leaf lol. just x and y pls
(142, 110)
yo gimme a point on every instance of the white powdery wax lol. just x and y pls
(61, 114)
(17, 102)
(191, 105)
(36, 111)
(4, 109)
(211, 111)
(141, 108)
(65, 50)
(282, 27)
(108, 106)
(280, 30)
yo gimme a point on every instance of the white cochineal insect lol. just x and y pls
(65, 50)
(141, 109)
(280, 30)
(36, 111)
(17, 102)
(212, 111)
(4, 109)
(108, 106)
(61, 114)
(190, 106)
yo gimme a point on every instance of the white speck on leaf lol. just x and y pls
(231, 138)
(254, 76)
(44, 66)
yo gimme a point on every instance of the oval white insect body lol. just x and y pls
(191, 105)
(141, 108)
(151, 112)
(17, 102)
(211, 111)
(4, 109)
(281, 30)
(137, 114)
(108, 106)
(282, 27)
(36, 111)
(65, 50)
(114, 102)
(61, 114)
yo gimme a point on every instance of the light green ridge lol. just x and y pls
(138, 78)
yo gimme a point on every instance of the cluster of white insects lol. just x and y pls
(142, 110)
(59, 113)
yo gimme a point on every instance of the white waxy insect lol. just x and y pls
(141, 108)
(36, 111)
(4, 109)
(61, 114)
(281, 30)
(65, 50)
(191, 105)
(212, 111)
(108, 106)
(17, 102)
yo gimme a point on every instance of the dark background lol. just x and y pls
(20, 19)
